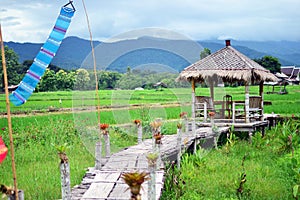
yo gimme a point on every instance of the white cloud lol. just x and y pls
(32, 20)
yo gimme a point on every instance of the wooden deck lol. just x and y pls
(107, 184)
(238, 125)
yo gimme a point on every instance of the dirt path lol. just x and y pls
(57, 111)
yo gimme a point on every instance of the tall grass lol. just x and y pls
(271, 173)
(282, 104)
(214, 177)
(36, 157)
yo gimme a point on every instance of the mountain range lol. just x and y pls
(149, 51)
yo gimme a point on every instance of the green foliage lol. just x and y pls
(173, 184)
(296, 171)
(260, 142)
(48, 81)
(53, 81)
(65, 80)
(146, 79)
(82, 79)
(34, 138)
(14, 74)
(205, 52)
(231, 140)
(214, 175)
(269, 62)
(61, 148)
(287, 136)
(108, 80)
(241, 192)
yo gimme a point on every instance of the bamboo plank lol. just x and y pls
(98, 191)
(108, 177)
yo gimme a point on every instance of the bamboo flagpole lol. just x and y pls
(9, 117)
(94, 62)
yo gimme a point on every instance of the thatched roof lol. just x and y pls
(228, 64)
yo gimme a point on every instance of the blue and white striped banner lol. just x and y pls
(43, 58)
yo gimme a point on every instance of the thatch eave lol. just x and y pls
(230, 76)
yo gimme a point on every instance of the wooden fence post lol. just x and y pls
(98, 155)
(65, 176)
(107, 144)
(139, 127)
(140, 134)
(105, 133)
(179, 126)
(20, 196)
(152, 165)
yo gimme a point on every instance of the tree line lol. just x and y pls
(56, 78)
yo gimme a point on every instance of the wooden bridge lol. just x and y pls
(107, 183)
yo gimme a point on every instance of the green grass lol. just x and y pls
(37, 161)
(271, 170)
(36, 158)
(282, 104)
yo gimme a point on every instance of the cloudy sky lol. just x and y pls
(32, 20)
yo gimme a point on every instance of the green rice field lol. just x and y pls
(36, 130)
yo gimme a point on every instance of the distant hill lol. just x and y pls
(177, 54)
(70, 55)
(288, 52)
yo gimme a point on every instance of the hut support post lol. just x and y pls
(261, 93)
(193, 113)
(211, 88)
(247, 115)
(193, 99)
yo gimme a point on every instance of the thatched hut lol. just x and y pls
(228, 65)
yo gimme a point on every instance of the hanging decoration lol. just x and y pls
(44, 57)
(3, 150)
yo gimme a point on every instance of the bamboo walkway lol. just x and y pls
(107, 183)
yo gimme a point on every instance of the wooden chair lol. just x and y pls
(227, 107)
(255, 108)
(238, 111)
(203, 105)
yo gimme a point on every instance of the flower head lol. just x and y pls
(179, 125)
(156, 124)
(158, 137)
(137, 121)
(211, 114)
(135, 178)
(104, 126)
(183, 114)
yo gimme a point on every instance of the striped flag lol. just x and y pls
(43, 58)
